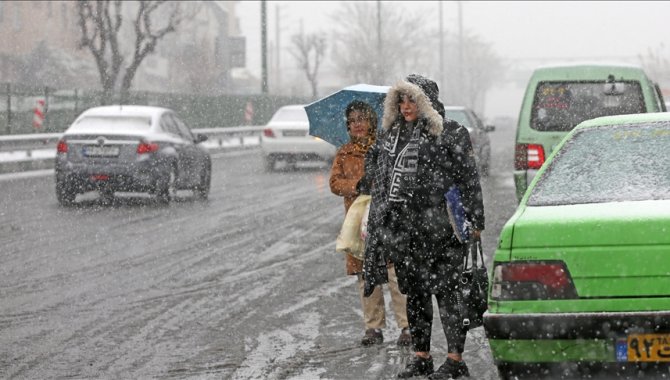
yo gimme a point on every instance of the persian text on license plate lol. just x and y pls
(101, 151)
(644, 348)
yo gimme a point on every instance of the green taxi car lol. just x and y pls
(581, 275)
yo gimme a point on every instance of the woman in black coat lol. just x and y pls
(415, 161)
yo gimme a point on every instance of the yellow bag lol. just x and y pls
(349, 240)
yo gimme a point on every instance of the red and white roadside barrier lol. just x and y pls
(249, 113)
(38, 114)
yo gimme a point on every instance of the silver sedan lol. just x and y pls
(124, 148)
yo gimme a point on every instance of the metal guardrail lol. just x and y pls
(28, 143)
(19, 153)
(219, 136)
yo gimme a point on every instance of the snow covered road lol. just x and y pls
(244, 286)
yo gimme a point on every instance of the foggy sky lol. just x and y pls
(524, 33)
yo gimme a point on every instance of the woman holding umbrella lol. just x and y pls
(346, 171)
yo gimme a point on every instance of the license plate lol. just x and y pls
(294, 133)
(644, 348)
(101, 151)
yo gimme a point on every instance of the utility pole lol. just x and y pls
(461, 98)
(264, 48)
(441, 51)
(278, 54)
(380, 64)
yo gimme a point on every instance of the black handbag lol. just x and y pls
(474, 286)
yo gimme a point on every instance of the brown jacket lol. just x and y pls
(347, 170)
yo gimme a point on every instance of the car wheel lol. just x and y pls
(269, 164)
(166, 189)
(106, 196)
(64, 193)
(201, 191)
(505, 373)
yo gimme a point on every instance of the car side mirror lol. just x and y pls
(198, 138)
(489, 128)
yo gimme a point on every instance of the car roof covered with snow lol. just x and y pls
(117, 119)
(125, 110)
(638, 118)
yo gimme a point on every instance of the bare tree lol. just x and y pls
(377, 43)
(381, 42)
(100, 22)
(309, 50)
(482, 68)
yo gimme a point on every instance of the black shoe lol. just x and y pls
(372, 336)
(451, 369)
(405, 339)
(417, 367)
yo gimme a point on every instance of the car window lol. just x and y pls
(459, 116)
(659, 98)
(478, 122)
(136, 122)
(289, 114)
(169, 125)
(608, 164)
(183, 129)
(560, 106)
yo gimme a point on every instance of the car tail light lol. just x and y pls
(145, 147)
(528, 156)
(532, 281)
(61, 147)
(267, 132)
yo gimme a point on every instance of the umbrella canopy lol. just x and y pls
(327, 119)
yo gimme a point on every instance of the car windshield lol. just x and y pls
(608, 164)
(112, 122)
(560, 106)
(459, 116)
(289, 114)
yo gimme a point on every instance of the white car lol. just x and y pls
(286, 138)
(479, 137)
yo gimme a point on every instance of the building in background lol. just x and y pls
(40, 47)
(198, 58)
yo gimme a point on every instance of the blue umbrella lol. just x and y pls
(327, 119)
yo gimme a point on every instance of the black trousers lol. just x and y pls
(427, 263)
(420, 317)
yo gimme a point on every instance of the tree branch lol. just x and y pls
(146, 38)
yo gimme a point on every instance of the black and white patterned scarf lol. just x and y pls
(393, 170)
(405, 162)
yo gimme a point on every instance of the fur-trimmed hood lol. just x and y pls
(434, 121)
